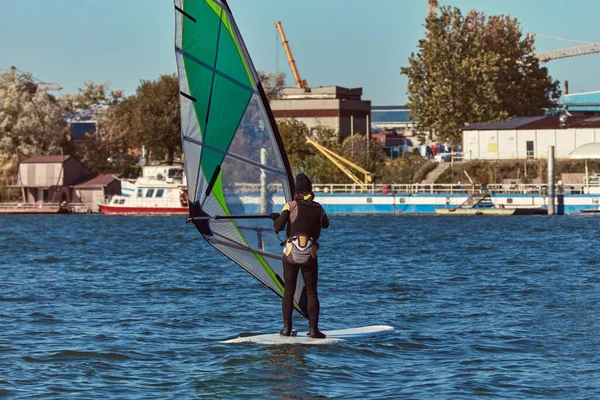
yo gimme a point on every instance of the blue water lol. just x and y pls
(134, 307)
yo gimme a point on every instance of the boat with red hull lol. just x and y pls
(161, 190)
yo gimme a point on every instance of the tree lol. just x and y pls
(473, 69)
(92, 95)
(97, 150)
(272, 83)
(293, 135)
(364, 152)
(31, 120)
(151, 118)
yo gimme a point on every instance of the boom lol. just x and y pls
(300, 83)
(338, 161)
(581, 50)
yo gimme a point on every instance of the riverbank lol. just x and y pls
(393, 199)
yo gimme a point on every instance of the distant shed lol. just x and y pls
(529, 137)
(97, 190)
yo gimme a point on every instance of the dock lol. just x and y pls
(46, 208)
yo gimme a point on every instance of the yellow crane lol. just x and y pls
(339, 162)
(300, 83)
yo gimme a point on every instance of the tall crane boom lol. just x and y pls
(300, 83)
(581, 50)
(584, 49)
(42, 85)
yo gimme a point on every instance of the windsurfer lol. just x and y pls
(304, 218)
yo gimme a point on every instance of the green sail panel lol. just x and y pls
(228, 104)
(231, 61)
(200, 37)
(234, 160)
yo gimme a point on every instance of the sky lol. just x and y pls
(349, 43)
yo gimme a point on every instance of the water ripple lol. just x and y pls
(136, 307)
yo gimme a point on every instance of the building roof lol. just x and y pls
(322, 92)
(99, 181)
(389, 108)
(586, 101)
(390, 114)
(530, 123)
(45, 159)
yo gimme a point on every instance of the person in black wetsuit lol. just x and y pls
(304, 219)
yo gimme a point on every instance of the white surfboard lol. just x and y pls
(334, 336)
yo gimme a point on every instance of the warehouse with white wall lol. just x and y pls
(529, 137)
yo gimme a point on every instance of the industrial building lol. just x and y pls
(528, 138)
(392, 118)
(333, 107)
(585, 103)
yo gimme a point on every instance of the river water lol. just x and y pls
(135, 307)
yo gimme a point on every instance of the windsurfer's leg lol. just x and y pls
(290, 277)
(310, 273)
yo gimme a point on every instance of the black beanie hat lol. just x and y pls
(303, 184)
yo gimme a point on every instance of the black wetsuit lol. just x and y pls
(307, 218)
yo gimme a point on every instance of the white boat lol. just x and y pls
(160, 190)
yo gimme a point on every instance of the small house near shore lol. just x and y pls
(58, 179)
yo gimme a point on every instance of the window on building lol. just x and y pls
(159, 192)
(150, 193)
(530, 154)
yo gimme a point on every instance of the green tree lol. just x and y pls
(91, 95)
(471, 69)
(31, 120)
(293, 135)
(272, 83)
(401, 170)
(98, 150)
(364, 152)
(151, 118)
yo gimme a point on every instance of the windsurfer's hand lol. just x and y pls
(274, 216)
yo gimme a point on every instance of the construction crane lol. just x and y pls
(581, 50)
(40, 84)
(339, 162)
(300, 83)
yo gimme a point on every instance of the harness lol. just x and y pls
(300, 247)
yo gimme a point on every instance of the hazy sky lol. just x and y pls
(351, 43)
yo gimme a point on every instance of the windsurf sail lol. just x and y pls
(236, 167)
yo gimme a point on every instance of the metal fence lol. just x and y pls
(418, 188)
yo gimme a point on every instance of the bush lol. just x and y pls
(424, 170)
